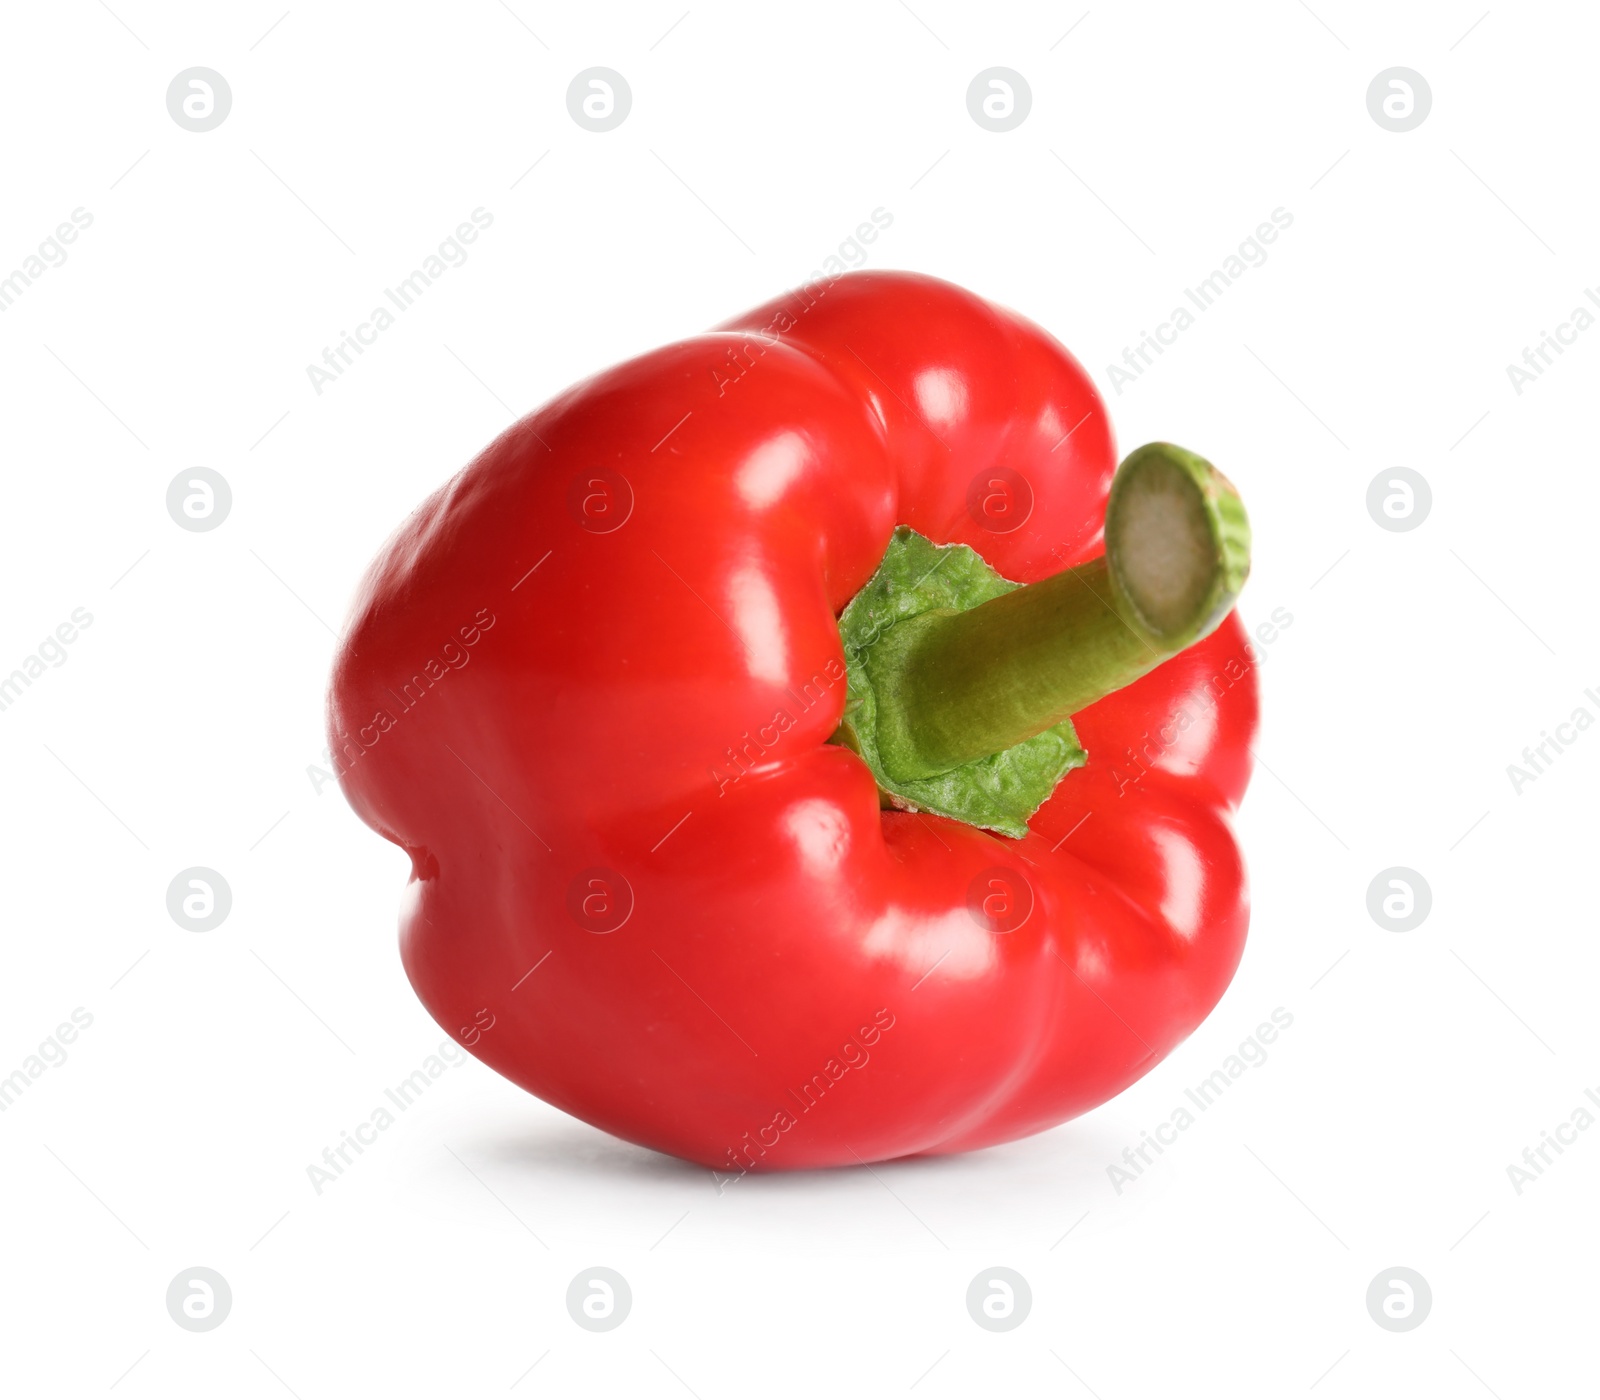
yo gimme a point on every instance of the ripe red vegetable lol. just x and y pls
(596, 688)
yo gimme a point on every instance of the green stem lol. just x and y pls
(956, 686)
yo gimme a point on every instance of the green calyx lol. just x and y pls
(917, 577)
(962, 684)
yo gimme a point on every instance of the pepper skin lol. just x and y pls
(590, 686)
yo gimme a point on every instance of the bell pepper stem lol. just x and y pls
(953, 686)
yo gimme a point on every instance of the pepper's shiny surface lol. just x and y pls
(593, 678)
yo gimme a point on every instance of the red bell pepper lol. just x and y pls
(678, 863)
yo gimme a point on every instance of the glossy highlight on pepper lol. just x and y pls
(694, 916)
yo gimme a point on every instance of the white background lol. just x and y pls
(179, 729)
